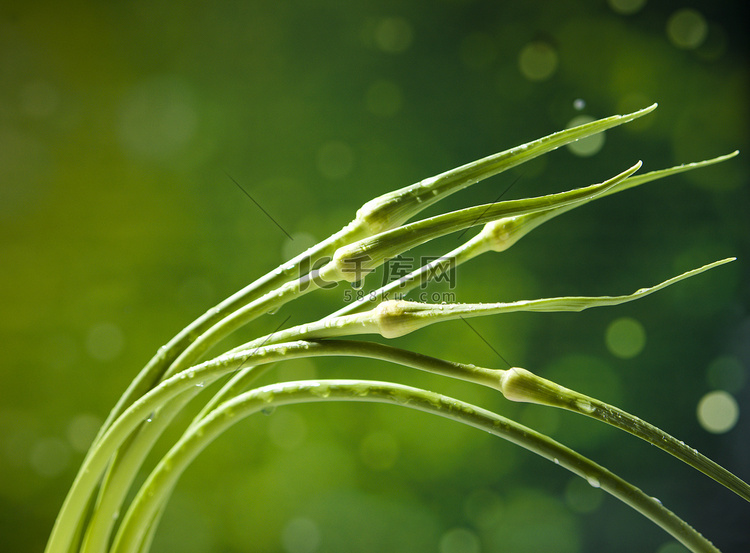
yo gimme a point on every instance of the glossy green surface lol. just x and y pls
(119, 125)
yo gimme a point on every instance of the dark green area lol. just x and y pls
(119, 125)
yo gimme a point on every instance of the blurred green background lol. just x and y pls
(120, 123)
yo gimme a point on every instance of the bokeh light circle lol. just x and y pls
(379, 450)
(537, 61)
(626, 7)
(393, 35)
(460, 540)
(625, 337)
(718, 412)
(588, 146)
(582, 497)
(49, 457)
(687, 29)
(301, 535)
(158, 118)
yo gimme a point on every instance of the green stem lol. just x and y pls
(137, 450)
(499, 235)
(165, 396)
(356, 260)
(521, 385)
(395, 208)
(394, 318)
(382, 213)
(162, 480)
(167, 354)
(114, 488)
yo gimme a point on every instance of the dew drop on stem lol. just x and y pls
(584, 406)
(593, 481)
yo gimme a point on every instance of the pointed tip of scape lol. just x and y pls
(646, 110)
(640, 113)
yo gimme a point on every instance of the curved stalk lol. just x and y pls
(166, 396)
(501, 234)
(496, 236)
(155, 491)
(382, 213)
(395, 208)
(167, 354)
(353, 262)
(394, 318)
(134, 451)
(521, 385)
(193, 348)
(169, 381)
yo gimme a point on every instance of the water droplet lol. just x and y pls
(556, 460)
(200, 384)
(593, 481)
(584, 406)
(268, 410)
(657, 500)
(273, 310)
(150, 418)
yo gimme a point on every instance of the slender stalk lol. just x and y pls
(167, 354)
(395, 208)
(145, 408)
(496, 236)
(169, 381)
(356, 260)
(382, 213)
(239, 309)
(500, 235)
(394, 318)
(134, 451)
(521, 385)
(162, 480)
